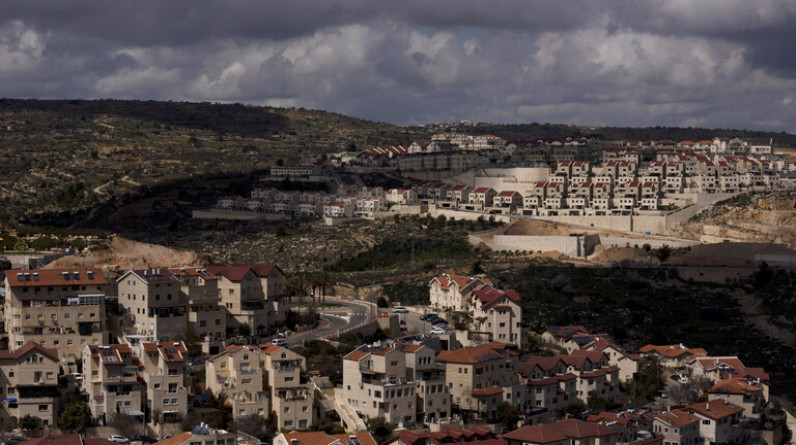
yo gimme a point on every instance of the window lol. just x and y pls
(165, 401)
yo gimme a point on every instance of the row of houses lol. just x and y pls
(66, 308)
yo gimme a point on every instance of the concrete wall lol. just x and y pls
(568, 245)
(469, 216)
(703, 200)
(518, 179)
(615, 241)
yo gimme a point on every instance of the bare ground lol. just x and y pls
(121, 253)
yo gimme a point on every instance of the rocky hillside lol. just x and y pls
(754, 217)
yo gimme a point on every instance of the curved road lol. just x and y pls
(345, 316)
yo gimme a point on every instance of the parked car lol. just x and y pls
(425, 317)
(118, 439)
(279, 342)
(441, 325)
(436, 319)
(145, 439)
(437, 331)
(13, 440)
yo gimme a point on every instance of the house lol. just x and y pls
(565, 432)
(676, 426)
(206, 315)
(454, 291)
(310, 209)
(321, 438)
(340, 209)
(252, 294)
(719, 421)
(231, 202)
(28, 385)
(498, 312)
(153, 304)
(550, 386)
(200, 434)
(448, 434)
(672, 356)
(627, 363)
(743, 392)
(480, 377)
(110, 378)
(508, 199)
(433, 397)
(164, 369)
(290, 393)
(375, 384)
(237, 373)
(562, 336)
(401, 196)
(460, 194)
(482, 195)
(60, 308)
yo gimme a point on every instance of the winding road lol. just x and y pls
(346, 316)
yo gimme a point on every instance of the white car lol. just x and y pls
(118, 439)
(399, 309)
(279, 342)
(438, 331)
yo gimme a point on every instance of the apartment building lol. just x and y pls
(434, 400)
(207, 317)
(550, 386)
(154, 304)
(200, 434)
(237, 373)
(60, 308)
(110, 378)
(672, 356)
(28, 385)
(252, 294)
(291, 391)
(164, 370)
(375, 384)
(481, 377)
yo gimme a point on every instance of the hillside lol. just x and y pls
(757, 217)
(66, 160)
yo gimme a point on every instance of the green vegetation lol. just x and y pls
(75, 416)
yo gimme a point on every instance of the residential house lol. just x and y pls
(401, 196)
(28, 385)
(60, 308)
(291, 392)
(433, 397)
(153, 304)
(483, 195)
(676, 426)
(207, 317)
(719, 421)
(110, 378)
(340, 209)
(480, 377)
(375, 384)
(562, 336)
(672, 356)
(199, 434)
(321, 438)
(231, 203)
(454, 291)
(164, 370)
(509, 199)
(498, 313)
(237, 373)
(565, 432)
(460, 194)
(743, 392)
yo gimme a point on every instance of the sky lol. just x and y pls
(689, 63)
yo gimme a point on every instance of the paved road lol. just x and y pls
(346, 315)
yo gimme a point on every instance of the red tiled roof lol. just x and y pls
(472, 354)
(673, 351)
(321, 438)
(16, 354)
(735, 385)
(714, 409)
(177, 439)
(559, 431)
(171, 352)
(67, 439)
(675, 417)
(495, 390)
(54, 277)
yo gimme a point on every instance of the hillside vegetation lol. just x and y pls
(65, 158)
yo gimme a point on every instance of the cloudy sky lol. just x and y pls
(706, 63)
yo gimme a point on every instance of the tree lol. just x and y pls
(508, 415)
(28, 423)
(663, 253)
(244, 330)
(76, 416)
(380, 428)
(574, 409)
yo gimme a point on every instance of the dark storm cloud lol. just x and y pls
(720, 63)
